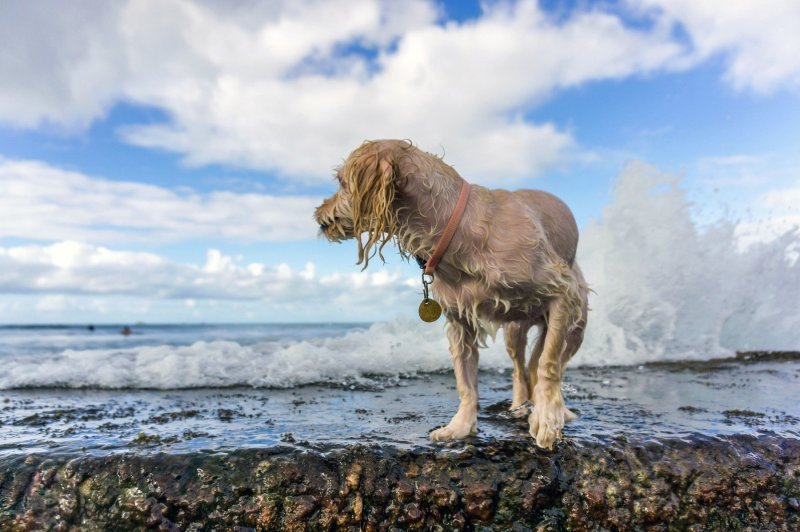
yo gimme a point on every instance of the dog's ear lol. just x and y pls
(369, 175)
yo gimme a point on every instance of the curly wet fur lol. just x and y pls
(511, 264)
(370, 181)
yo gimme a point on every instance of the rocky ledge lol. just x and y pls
(704, 483)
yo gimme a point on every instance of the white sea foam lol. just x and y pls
(399, 347)
(664, 289)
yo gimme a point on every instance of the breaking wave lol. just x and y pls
(667, 289)
(401, 347)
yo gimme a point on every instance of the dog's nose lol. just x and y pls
(323, 226)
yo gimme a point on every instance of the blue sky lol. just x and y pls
(162, 163)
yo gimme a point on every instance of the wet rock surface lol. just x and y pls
(724, 483)
(752, 393)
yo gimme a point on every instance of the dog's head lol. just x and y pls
(364, 205)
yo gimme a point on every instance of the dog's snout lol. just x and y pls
(323, 226)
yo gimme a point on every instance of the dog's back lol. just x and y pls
(557, 221)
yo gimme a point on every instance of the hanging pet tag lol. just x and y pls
(429, 309)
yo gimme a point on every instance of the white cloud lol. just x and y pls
(277, 85)
(764, 189)
(51, 303)
(76, 268)
(284, 85)
(39, 201)
(759, 39)
(60, 306)
(785, 199)
(777, 213)
(60, 63)
(739, 170)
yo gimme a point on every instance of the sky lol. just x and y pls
(160, 160)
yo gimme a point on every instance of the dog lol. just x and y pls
(510, 264)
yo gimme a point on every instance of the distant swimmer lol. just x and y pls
(125, 331)
(91, 328)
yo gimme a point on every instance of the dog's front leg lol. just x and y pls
(464, 350)
(549, 412)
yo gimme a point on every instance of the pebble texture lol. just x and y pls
(732, 483)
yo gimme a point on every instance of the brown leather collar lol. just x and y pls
(449, 230)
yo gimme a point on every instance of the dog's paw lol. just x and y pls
(547, 420)
(519, 410)
(455, 430)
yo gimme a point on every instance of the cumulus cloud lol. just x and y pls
(64, 69)
(42, 202)
(759, 39)
(294, 86)
(71, 267)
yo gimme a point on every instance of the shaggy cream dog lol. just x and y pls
(510, 264)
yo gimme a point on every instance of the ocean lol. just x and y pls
(186, 388)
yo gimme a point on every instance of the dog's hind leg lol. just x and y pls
(464, 350)
(549, 413)
(516, 336)
(533, 363)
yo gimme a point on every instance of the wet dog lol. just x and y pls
(510, 264)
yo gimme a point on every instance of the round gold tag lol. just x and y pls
(429, 310)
